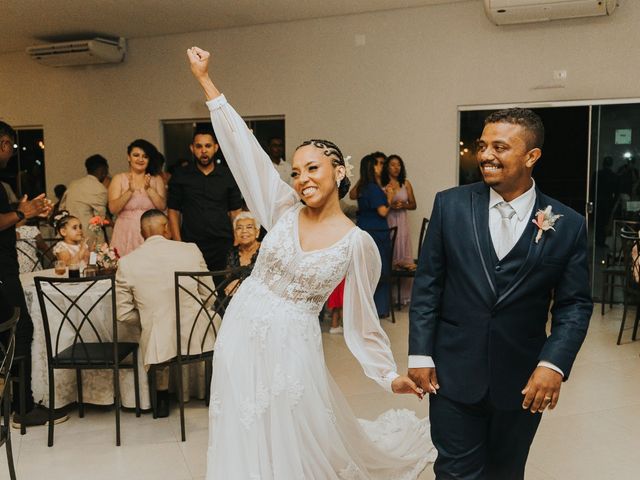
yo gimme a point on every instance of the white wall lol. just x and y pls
(399, 93)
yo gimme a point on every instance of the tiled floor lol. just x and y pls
(593, 434)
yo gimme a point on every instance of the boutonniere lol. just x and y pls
(545, 220)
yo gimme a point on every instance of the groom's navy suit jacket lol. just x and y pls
(483, 321)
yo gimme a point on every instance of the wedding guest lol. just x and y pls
(72, 249)
(275, 149)
(203, 201)
(373, 208)
(145, 295)
(30, 245)
(133, 193)
(380, 159)
(87, 197)
(59, 191)
(246, 231)
(394, 179)
(10, 285)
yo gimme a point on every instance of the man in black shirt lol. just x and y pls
(12, 293)
(203, 200)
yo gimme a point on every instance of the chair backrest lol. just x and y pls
(7, 349)
(627, 227)
(28, 254)
(73, 316)
(33, 256)
(631, 253)
(209, 301)
(423, 232)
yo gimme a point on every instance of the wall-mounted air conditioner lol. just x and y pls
(79, 52)
(507, 12)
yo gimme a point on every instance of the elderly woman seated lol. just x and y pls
(246, 230)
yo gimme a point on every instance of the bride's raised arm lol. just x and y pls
(267, 196)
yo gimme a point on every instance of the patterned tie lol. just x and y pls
(505, 233)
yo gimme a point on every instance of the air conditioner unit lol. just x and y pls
(79, 52)
(507, 12)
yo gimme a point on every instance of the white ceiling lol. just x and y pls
(29, 22)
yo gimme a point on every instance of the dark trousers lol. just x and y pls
(14, 296)
(478, 442)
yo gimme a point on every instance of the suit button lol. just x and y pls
(498, 268)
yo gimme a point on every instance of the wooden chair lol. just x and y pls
(89, 349)
(7, 350)
(42, 259)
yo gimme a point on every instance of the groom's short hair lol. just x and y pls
(524, 117)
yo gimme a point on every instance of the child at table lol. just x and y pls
(73, 249)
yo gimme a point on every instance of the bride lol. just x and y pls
(275, 412)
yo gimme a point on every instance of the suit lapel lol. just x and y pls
(480, 216)
(533, 253)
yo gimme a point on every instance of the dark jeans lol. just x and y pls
(478, 442)
(14, 296)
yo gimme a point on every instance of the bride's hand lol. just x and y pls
(199, 60)
(406, 385)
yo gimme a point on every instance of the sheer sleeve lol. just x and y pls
(267, 196)
(362, 331)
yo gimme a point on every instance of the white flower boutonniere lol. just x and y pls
(545, 220)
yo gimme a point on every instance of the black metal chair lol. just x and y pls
(400, 273)
(7, 350)
(88, 348)
(614, 267)
(211, 301)
(380, 235)
(631, 246)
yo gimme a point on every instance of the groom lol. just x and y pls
(487, 279)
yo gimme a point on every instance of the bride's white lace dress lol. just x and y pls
(275, 412)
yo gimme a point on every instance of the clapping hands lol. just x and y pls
(39, 206)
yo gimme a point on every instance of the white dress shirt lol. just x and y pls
(523, 206)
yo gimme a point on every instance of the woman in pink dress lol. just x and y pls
(394, 178)
(133, 193)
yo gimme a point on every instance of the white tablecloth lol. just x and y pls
(97, 385)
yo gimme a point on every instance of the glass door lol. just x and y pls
(614, 199)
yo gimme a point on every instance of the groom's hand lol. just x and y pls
(425, 378)
(542, 390)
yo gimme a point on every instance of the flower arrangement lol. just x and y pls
(96, 223)
(107, 257)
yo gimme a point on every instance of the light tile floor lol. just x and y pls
(593, 434)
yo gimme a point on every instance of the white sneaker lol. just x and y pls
(335, 330)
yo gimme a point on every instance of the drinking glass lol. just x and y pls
(74, 270)
(60, 267)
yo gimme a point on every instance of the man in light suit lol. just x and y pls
(485, 282)
(86, 197)
(145, 294)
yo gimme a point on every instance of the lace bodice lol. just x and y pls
(304, 278)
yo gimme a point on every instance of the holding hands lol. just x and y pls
(405, 385)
